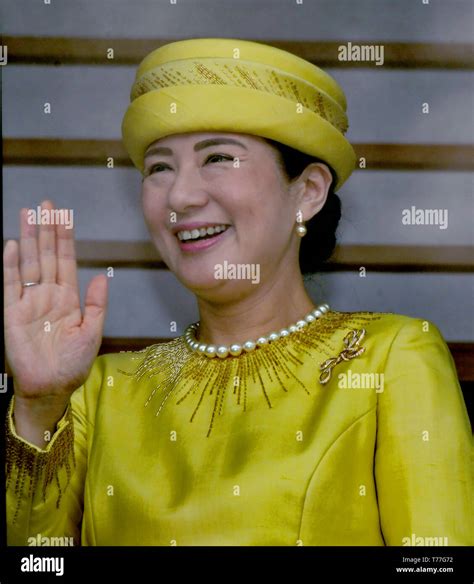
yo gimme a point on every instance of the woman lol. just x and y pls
(272, 421)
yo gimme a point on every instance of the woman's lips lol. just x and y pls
(200, 244)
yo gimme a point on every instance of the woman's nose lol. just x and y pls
(186, 191)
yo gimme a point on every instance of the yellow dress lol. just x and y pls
(168, 447)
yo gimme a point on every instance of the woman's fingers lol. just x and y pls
(47, 247)
(11, 273)
(30, 270)
(49, 257)
(66, 257)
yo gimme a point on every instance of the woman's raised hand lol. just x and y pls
(50, 344)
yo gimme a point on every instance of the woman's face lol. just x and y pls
(196, 180)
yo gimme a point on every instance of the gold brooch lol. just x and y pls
(352, 350)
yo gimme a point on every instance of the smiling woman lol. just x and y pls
(272, 420)
(236, 183)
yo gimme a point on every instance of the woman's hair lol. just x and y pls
(320, 240)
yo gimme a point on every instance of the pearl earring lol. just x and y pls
(300, 227)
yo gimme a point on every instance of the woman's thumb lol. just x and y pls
(95, 304)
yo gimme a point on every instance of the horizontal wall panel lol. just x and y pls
(143, 303)
(396, 258)
(440, 21)
(374, 203)
(86, 102)
(376, 156)
(87, 51)
(107, 204)
(380, 258)
(384, 105)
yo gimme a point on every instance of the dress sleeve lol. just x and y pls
(424, 461)
(45, 487)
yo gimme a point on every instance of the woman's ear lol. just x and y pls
(312, 188)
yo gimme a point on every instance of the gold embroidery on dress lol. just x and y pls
(29, 464)
(352, 350)
(271, 365)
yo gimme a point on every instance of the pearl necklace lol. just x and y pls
(235, 350)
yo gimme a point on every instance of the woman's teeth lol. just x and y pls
(200, 233)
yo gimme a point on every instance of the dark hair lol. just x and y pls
(320, 240)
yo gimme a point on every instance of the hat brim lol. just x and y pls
(206, 108)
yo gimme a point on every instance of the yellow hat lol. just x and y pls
(234, 85)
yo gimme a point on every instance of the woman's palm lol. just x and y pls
(50, 344)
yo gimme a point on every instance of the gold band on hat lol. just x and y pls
(205, 85)
(241, 74)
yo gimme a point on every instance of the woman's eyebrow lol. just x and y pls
(198, 146)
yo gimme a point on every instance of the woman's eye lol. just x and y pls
(153, 166)
(151, 169)
(211, 156)
(225, 157)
